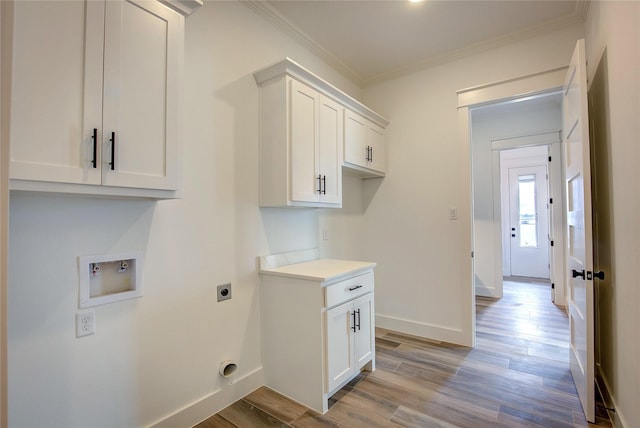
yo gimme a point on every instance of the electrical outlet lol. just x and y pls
(85, 323)
(224, 292)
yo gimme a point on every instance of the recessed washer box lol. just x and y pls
(108, 278)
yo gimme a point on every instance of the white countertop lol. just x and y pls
(322, 270)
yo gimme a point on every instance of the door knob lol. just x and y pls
(575, 273)
(513, 235)
(599, 275)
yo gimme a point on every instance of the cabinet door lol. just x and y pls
(355, 139)
(364, 336)
(304, 104)
(376, 142)
(330, 150)
(339, 345)
(143, 49)
(56, 98)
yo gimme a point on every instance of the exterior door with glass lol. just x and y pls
(529, 221)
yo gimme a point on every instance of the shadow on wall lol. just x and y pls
(601, 189)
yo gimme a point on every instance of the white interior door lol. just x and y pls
(529, 221)
(579, 255)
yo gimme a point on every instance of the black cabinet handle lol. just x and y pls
(95, 148)
(324, 185)
(113, 151)
(354, 288)
(371, 154)
(353, 325)
(319, 183)
(358, 325)
(575, 273)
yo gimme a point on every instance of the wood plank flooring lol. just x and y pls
(517, 375)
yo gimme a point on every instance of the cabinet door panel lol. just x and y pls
(364, 336)
(355, 139)
(51, 88)
(304, 147)
(142, 60)
(330, 150)
(339, 345)
(376, 141)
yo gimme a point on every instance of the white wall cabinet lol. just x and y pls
(95, 97)
(302, 134)
(364, 147)
(318, 327)
(300, 146)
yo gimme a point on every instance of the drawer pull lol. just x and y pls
(355, 288)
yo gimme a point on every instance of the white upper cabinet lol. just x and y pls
(300, 146)
(303, 133)
(364, 144)
(95, 97)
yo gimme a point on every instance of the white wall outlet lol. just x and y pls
(453, 213)
(85, 323)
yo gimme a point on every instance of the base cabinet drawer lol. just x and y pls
(348, 289)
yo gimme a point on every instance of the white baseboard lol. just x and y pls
(617, 419)
(429, 331)
(211, 404)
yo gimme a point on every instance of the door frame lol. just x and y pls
(506, 166)
(517, 88)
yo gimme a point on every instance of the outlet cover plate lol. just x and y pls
(224, 292)
(85, 323)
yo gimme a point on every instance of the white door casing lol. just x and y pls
(529, 225)
(579, 254)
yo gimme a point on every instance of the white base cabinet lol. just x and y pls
(318, 334)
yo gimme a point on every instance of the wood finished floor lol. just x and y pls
(517, 375)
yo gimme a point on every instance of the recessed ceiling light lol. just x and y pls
(415, 1)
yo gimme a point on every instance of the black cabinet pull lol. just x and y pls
(113, 151)
(319, 183)
(371, 154)
(354, 288)
(575, 273)
(353, 325)
(95, 148)
(324, 185)
(358, 325)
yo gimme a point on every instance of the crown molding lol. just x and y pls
(476, 48)
(278, 20)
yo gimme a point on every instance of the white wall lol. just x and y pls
(153, 356)
(613, 65)
(420, 252)
(487, 124)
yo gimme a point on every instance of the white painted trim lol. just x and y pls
(295, 70)
(183, 7)
(433, 332)
(531, 140)
(520, 87)
(211, 404)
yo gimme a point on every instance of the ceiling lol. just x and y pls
(371, 41)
